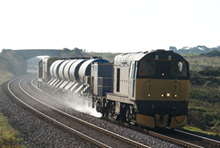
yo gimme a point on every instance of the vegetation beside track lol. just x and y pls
(204, 98)
(10, 66)
(8, 135)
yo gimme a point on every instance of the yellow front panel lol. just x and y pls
(178, 121)
(165, 120)
(145, 120)
(162, 89)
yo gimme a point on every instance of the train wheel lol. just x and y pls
(98, 106)
(130, 117)
(111, 110)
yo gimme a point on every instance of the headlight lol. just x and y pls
(167, 94)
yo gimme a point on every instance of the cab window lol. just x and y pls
(178, 69)
(146, 68)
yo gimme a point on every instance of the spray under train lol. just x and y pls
(150, 89)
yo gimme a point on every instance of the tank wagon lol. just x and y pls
(150, 89)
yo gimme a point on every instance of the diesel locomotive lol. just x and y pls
(150, 89)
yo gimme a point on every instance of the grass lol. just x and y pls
(8, 134)
(198, 130)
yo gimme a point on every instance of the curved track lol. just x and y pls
(92, 133)
(29, 93)
(176, 136)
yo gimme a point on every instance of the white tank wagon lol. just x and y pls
(61, 69)
(67, 70)
(74, 70)
(54, 72)
(64, 73)
(72, 75)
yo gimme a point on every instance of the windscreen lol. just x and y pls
(162, 69)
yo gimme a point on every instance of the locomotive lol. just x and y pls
(149, 89)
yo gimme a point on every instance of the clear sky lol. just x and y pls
(109, 26)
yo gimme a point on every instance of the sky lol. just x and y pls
(109, 25)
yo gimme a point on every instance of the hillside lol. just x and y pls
(213, 53)
(199, 62)
(11, 65)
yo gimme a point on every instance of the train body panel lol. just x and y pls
(102, 78)
(160, 90)
(122, 64)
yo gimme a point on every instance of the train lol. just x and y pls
(148, 89)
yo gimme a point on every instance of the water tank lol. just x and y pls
(51, 68)
(74, 70)
(61, 69)
(67, 70)
(55, 68)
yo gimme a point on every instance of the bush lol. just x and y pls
(199, 93)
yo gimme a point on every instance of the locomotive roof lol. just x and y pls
(126, 58)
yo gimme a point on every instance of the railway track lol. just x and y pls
(174, 136)
(208, 142)
(94, 134)
(189, 138)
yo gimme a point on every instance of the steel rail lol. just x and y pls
(206, 140)
(55, 121)
(176, 141)
(119, 137)
(134, 143)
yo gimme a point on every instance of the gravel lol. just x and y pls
(36, 132)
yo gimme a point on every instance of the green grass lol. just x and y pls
(5, 129)
(195, 129)
(8, 134)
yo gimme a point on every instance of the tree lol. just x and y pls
(173, 48)
(77, 52)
